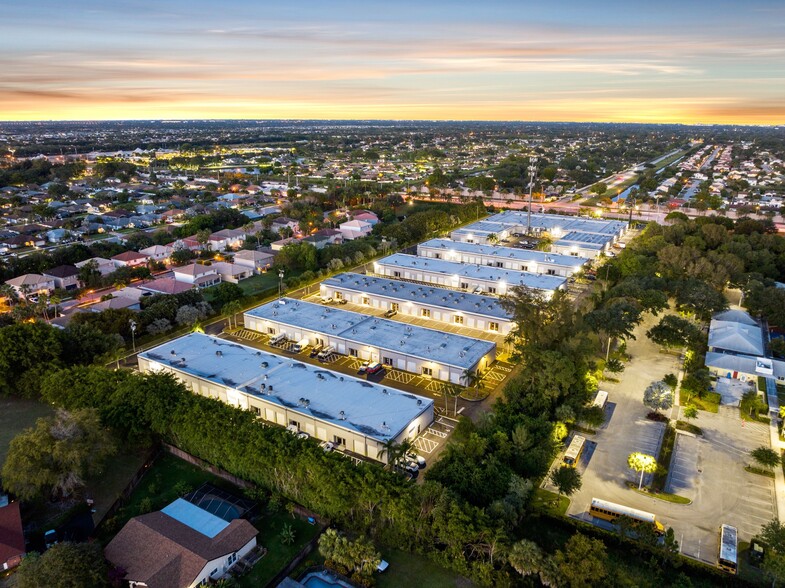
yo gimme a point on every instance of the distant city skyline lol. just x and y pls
(613, 61)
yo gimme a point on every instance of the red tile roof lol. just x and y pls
(12, 538)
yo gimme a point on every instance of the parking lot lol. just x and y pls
(708, 470)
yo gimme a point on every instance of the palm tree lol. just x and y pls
(493, 238)
(473, 379)
(230, 310)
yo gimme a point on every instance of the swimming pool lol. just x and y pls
(322, 580)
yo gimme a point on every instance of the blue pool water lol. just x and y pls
(319, 580)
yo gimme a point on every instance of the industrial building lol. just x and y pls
(575, 236)
(419, 350)
(472, 278)
(439, 305)
(354, 414)
(536, 262)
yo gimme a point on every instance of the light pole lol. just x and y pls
(280, 283)
(532, 173)
(133, 334)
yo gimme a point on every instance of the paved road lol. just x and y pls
(708, 470)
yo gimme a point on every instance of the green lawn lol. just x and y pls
(416, 571)
(168, 479)
(549, 502)
(259, 283)
(117, 474)
(710, 401)
(278, 555)
(17, 414)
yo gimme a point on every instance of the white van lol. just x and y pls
(278, 339)
(301, 345)
(325, 353)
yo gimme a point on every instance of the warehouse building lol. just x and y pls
(472, 278)
(355, 415)
(537, 262)
(568, 232)
(428, 352)
(440, 305)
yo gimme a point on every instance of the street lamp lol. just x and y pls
(532, 173)
(280, 283)
(132, 323)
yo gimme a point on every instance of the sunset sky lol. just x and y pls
(691, 61)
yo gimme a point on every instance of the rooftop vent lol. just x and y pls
(270, 388)
(219, 353)
(342, 415)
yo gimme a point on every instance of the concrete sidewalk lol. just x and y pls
(776, 444)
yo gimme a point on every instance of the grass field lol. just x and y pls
(278, 554)
(410, 569)
(17, 414)
(117, 473)
(710, 401)
(259, 283)
(550, 503)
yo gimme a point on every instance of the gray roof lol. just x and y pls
(743, 363)
(735, 316)
(478, 272)
(427, 295)
(736, 337)
(522, 255)
(369, 409)
(420, 342)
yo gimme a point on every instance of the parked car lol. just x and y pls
(418, 459)
(303, 435)
(315, 350)
(373, 368)
(328, 300)
(363, 367)
(390, 313)
(341, 301)
(293, 429)
(327, 446)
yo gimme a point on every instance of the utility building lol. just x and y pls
(354, 414)
(461, 276)
(536, 262)
(439, 305)
(428, 352)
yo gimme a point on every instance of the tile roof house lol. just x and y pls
(12, 538)
(166, 286)
(197, 274)
(157, 252)
(31, 284)
(129, 258)
(258, 260)
(64, 276)
(182, 546)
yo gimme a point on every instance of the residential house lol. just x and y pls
(260, 261)
(65, 277)
(157, 252)
(103, 266)
(201, 276)
(284, 222)
(130, 258)
(325, 237)
(165, 286)
(355, 229)
(232, 272)
(364, 215)
(227, 239)
(31, 285)
(12, 538)
(181, 546)
(281, 243)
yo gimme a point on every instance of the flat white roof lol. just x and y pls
(588, 240)
(500, 253)
(478, 272)
(344, 401)
(562, 222)
(420, 342)
(422, 294)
